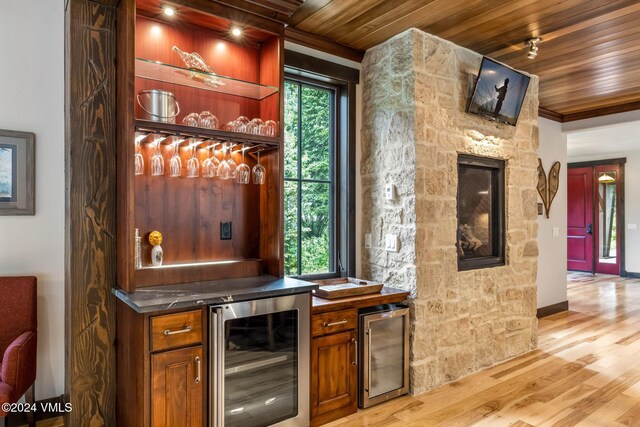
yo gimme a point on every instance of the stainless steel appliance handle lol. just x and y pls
(341, 322)
(197, 369)
(355, 344)
(369, 361)
(217, 373)
(179, 331)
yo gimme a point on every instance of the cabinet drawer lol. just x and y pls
(334, 321)
(176, 330)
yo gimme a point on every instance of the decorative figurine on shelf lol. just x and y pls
(137, 256)
(194, 61)
(155, 238)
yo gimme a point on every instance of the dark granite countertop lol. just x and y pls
(157, 298)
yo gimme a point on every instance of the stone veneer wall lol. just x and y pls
(416, 89)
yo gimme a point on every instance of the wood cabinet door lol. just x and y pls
(177, 388)
(334, 376)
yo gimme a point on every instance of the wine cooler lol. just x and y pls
(259, 363)
(384, 354)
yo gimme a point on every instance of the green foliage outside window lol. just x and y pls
(308, 215)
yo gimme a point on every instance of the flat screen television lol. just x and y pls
(498, 93)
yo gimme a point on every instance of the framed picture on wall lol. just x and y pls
(17, 173)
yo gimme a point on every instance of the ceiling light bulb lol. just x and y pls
(236, 31)
(169, 11)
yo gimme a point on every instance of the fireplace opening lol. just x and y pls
(481, 226)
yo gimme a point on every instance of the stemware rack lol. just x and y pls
(196, 132)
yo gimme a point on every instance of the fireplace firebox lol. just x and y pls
(481, 212)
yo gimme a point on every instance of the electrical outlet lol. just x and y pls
(392, 243)
(390, 192)
(225, 230)
(555, 231)
(367, 241)
(632, 226)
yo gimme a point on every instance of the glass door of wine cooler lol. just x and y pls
(261, 363)
(384, 370)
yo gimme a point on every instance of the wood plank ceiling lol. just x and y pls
(588, 63)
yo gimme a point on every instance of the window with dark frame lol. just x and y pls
(309, 179)
(319, 176)
(480, 238)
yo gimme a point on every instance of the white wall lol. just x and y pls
(631, 202)
(32, 99)
(552, 258)
(336, 59)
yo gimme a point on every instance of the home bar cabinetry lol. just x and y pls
(335, 353)
(246, 83)
(185, 122)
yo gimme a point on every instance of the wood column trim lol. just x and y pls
(90, 247)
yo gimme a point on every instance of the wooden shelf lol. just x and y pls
(158, 71)
(191, 131)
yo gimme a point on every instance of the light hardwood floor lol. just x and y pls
(586, 371)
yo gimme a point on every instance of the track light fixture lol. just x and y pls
(533, 45)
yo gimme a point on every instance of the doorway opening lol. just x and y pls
(595, 217)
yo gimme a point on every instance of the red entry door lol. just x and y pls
(580, 219)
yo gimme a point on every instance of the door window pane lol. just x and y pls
(607, 251)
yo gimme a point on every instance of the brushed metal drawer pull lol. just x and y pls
(341, 322)
(180, 331)
(197, 369)
(355, 346)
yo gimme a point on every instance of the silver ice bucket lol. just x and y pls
(158, 105)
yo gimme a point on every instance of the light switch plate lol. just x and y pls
(367, 240)
(390, 192)
(392, 243)
(632, 226)
(556, 231)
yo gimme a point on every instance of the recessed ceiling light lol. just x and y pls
(169, 11)
(533, 45)
(236, 31)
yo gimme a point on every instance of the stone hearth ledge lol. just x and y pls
(168, 297)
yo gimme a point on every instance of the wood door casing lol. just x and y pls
(176, 396)
(334, 379)
(580, 219)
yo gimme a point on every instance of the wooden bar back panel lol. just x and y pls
(188, 212)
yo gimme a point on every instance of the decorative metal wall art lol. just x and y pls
(547, 189)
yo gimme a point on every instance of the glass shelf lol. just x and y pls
(158, 71)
